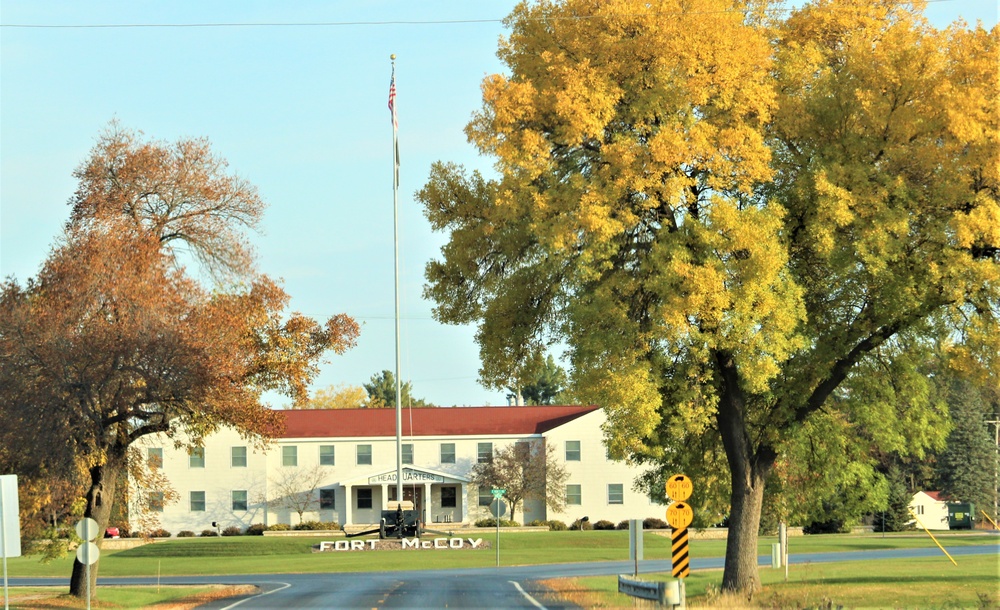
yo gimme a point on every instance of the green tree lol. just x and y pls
(967, 466)
(733, 225)
(382, 392)
(114, 341)
(525, 470)
(545, 384)
(895, 516)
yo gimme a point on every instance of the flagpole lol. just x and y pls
(395, 232)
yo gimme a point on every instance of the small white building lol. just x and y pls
(345, 459)
(930, 509)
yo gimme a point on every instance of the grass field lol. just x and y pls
(259, 555)
(928, 582)
(976, 578)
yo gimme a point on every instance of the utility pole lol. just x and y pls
(996, 463)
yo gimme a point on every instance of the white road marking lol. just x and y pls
(286, 585)
(526, 596)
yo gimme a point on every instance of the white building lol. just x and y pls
(348, 456)
(930, 509)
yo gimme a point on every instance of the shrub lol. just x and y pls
(209, 533)
(557, 526)
(834, 526)
(278, 527)
(622, 525)
(257, 529)
(159, 533)
(579, 525)
(654, 523)
(331, 525)
(310, 525)
(603, 524)
(232, 530)
(538, 523)
(185, 534)
(491, 522)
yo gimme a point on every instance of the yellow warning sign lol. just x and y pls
(679, 515)
(679, 487)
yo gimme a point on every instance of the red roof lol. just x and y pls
(428, 421)
(935, 495)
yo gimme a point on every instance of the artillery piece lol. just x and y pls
(399, 520)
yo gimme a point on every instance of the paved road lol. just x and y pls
(507, 587)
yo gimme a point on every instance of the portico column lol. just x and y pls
(465, 504)
(428, 504)
(347, 505)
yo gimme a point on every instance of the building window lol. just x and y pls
(573, 495)
(485, 496)
(616, 493)
(196, 457)
(407, 453)
(920, 509)
(197, 501)
(485, 453)
(156, 501)
(447, 453)
(365, 457)
(327, 455)
(364, 497)
(328, 498)
(449, 497)
(572, 451)
(239, 500)
(290, 456)
(154, 457)
(239, 457)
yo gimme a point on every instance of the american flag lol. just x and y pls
(392, 99)
(395, 123)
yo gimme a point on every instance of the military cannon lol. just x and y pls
(399, 520)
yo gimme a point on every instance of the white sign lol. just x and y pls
(407, 543)
(88, 553)
(10, 524)
(409, 476)
(86, 529)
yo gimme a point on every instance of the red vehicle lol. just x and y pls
(112, 532)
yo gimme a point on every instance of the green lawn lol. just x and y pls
(927, 582)
(254, 554)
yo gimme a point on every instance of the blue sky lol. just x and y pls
(298, 110)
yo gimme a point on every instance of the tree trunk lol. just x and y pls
(741, 545)
(100, 499)
(749, 467)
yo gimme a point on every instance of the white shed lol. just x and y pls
(930, 510)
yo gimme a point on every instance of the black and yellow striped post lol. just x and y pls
(679, 516)
(679, 553)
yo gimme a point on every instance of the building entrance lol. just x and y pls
(411, 493)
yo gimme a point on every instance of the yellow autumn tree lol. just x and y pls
(728, 218)
(339, 396)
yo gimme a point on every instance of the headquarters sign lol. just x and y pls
(409, 476)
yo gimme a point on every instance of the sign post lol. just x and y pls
(10, 527)
(499, 510)
(87, 553)
(679, 516)
(635, 543)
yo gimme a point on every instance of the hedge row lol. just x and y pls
(257, 529)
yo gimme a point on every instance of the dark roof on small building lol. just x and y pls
(429, 421)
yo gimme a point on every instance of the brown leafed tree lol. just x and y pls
(295, 488)
(525, 470)
(114, 340)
